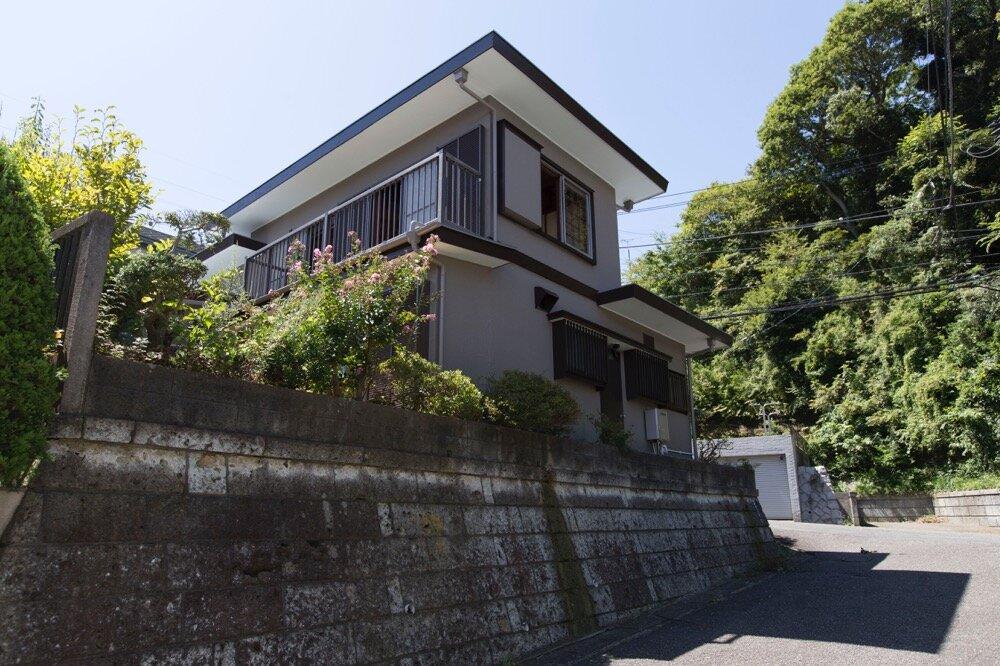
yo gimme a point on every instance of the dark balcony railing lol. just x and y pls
(415, 197)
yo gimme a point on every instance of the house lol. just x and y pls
(522, 186)
(788, 488)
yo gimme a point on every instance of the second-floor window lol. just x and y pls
(566, 210)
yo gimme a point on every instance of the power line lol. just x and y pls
(678, 204)
(871, 215)
(845, 160)
(831, 276)
(811, 303)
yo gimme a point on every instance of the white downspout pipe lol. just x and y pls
(461, 76)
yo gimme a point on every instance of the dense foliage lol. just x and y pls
(95, 165)
(144, 297)
(339, 320)
(27, 323)
(866, 184)
(410, 381)
(529, 401)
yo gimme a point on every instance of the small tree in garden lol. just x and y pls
(340, 320)
(95, 166)
(144, 298)
(27, 322)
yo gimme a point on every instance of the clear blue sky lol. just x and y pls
(226, 94)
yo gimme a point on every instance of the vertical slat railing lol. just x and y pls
(439, 188)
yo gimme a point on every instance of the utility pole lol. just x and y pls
(767, 413)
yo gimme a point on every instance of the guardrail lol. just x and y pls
(440, 188)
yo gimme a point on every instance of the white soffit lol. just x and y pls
(425, 111)
(490, 74)
(634, 310)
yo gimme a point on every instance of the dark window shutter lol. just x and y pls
(468, 148)
(579, 352)
(646, 376)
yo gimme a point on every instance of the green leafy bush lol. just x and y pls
(27, 322)
(144, 297)
(531, 402)
(409, 381)
(339, 320)
(612, 432)
(213, 335)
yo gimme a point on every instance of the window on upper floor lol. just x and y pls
(540, 195)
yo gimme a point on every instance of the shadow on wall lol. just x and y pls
(829, 597)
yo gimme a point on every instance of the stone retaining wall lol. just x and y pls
(817, 499)
(191, 519)
(972, 507)
(894, 508)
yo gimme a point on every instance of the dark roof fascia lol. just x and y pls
(231, 239)
(666, 307)
(490, 41)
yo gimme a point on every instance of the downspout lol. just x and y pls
(695, 452)
(461, 76)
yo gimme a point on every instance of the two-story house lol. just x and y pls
(523, 186)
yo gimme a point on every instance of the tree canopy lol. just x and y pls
(853, 264)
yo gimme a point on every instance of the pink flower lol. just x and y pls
(430, 317)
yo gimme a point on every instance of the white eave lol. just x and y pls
(496, 70)
(657, 314)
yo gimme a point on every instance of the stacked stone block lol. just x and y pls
(191, 519)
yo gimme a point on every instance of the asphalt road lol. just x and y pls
(852, 596)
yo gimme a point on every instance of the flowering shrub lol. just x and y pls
(410, 381)
(532, 402)
(339, 320)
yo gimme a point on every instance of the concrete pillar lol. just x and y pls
(96, 229)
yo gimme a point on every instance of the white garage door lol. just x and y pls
(772, 485)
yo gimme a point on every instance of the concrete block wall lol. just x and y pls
(817, 499)
(894, 508)
(190, 519)
(972, 507)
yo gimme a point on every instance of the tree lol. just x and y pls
(194, 230)
(27, 323)
(96, 167)
(860, 155)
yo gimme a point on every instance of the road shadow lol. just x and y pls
(831, 597)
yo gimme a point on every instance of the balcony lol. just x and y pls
(439, 190)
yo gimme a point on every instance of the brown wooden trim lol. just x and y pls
(564, 314)
(505, 125)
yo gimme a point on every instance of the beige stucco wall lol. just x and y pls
(489, 323)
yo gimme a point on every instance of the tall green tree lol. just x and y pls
(27, 323)
(866, 183)
(93, 165)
